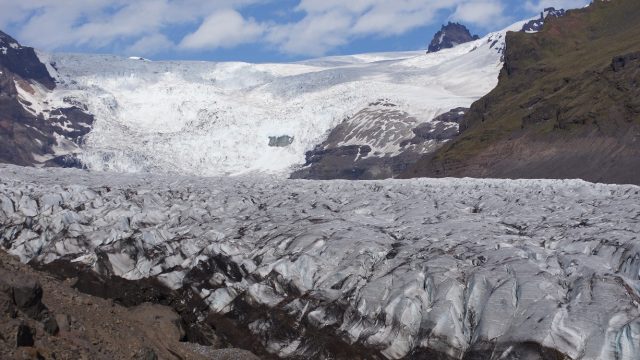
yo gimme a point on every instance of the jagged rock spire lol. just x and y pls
(449, 36)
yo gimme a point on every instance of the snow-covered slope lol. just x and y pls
(417, 269)
(216, 118)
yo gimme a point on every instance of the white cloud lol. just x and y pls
(483, 13)
(539, 5)
(327, 24)
(387, 18)
(54, 24)
(321, 25)
(313, 35)
(323, 6)
(225, 28)
(150, 45)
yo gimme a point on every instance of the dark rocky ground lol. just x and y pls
(44, 317)
(422, 269)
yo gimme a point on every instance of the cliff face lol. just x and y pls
(23, 62)
(567, 105)
(32, 132)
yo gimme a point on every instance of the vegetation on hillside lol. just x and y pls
(567, 104)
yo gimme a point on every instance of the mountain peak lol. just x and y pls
(23, 61)
(449, 36)
(535, 25)
(6, 40)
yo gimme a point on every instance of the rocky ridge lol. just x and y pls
(536, 25)
(378, 142)
(450, 35)
(34, 132)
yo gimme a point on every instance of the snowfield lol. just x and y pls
(212, 119)
(496, 269)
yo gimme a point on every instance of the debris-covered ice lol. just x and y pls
(453, 267)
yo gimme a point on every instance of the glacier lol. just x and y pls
(419, 269)
(213, 119)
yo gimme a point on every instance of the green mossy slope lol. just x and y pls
(567, 105)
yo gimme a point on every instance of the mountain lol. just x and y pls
(385, 137)
(566, 106)
(449, 36)
(204, 118)
(367, 116)
(418, 269)
(35, 131)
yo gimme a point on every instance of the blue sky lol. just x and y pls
(251, 30)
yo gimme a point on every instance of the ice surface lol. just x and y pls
(393, 267)
(203, 118)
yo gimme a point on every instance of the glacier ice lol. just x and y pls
(212, 119)
(500, 268)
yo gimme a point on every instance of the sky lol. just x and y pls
(251, 30)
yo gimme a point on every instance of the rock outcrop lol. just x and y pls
(536, 25)
(25, 295)
(32, 130)
(378, 142)
(449, 36)
(280, 141)
(23, 62)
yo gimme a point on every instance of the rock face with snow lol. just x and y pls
(33, 129)
(418, 269)
(379, 142)
(449, 36)
(535, 25)
(384, 139)
(23, 62)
